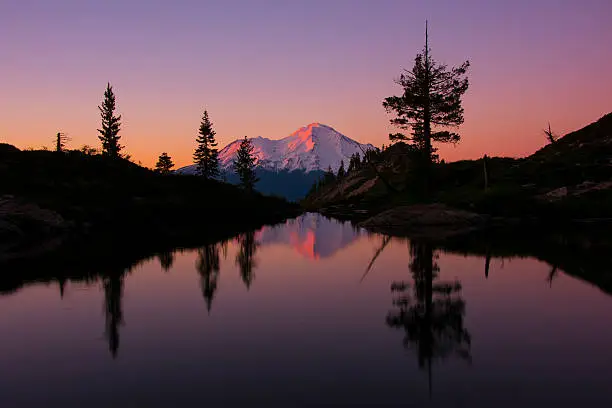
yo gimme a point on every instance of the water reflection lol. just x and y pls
(245, 258)
(166, 260)
(208, 267)
(431, 312)
(113, 311)
(412, 290)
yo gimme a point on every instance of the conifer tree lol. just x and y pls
(341, 171)
(164, 164)
(206, 155)
(244, 165)
(60, 141)
(111, 124)
(431, 99)
(329, 176)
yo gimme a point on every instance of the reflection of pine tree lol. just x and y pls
(113, 313)
(166, 259)
(433, 318)
(245, 259)
(61, 282)
(208, 267)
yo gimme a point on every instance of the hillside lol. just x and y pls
(46, 195)
(571, 178)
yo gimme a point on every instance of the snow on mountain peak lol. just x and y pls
(312, 147)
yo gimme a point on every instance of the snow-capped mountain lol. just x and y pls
(311, 148)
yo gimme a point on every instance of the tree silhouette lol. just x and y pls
(431, 98)
(60, 141)
(244, 165)
(341, 171)
(432, 318)
(208, 265)
(113, 312)
(206, 155)
(111, 124)
(166, 259)
(245, 259)
(550, 136)
(164, 164)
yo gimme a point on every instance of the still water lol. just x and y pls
(311, 312)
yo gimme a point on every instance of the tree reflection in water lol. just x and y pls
(166, 260)
(245, 259)
(113, 310)
(208, 265)
(430, 312)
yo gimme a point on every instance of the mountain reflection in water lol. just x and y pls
(316, 311)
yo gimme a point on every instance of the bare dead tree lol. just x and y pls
(550, 136)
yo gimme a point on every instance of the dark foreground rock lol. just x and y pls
(27, 229)
(426, 220)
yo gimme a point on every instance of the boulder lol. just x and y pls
(425, 220)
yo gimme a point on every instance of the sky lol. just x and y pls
(266, 68)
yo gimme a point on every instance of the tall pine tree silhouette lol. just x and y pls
(206, 155)
(431, 99)
(60, 142)
(244, 165)
(111, 124)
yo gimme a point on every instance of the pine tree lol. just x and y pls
(206, 155)
(244, 165)
(111, 124)
(341, 171)
(329, 176)
(431, 98)
(164, 164)
(60, 141)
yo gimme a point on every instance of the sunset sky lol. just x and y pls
(264, 67)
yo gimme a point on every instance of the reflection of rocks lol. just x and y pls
(26, 229)
(426, 220)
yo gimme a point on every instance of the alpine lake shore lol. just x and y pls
(64, 203)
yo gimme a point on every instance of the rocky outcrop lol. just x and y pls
(27, 229)
(425, 220)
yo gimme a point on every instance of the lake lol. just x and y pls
(314, 312)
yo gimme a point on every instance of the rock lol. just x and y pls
(26, 229)
(556, 194)
(425, 220)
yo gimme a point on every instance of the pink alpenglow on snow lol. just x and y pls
(310, 148)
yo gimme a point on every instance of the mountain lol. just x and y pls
(310, 148)
(289, 166)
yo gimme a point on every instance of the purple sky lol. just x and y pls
(269, 67)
